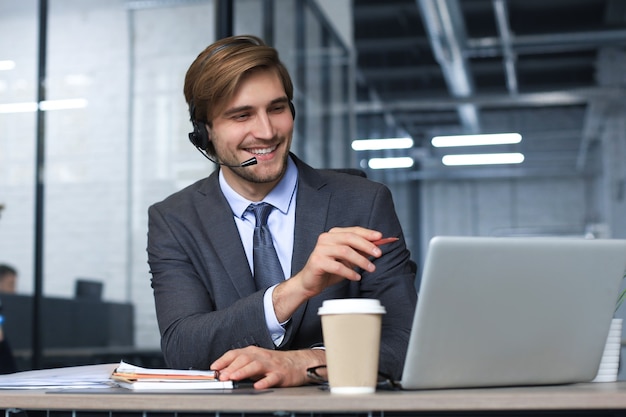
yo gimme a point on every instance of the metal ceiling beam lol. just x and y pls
(415, 72)
(571, 97)
(521, 44)
(446, 30)
(546, 43)
(502, 23)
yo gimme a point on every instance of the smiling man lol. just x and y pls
(213, 311)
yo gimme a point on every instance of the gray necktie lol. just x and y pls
(267, 269)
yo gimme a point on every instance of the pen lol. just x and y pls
(384, 240)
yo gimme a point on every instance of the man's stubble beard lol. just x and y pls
(248, 174)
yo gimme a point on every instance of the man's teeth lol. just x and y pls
(262, 151)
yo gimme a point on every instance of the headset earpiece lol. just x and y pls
(200, 136)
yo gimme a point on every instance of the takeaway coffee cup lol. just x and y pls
(351, 330)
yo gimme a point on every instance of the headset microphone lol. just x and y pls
(246, 163)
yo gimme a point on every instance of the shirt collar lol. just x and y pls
(280, 196)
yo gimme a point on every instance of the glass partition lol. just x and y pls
(18, 95)
(116, 127)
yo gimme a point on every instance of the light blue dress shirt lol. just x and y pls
(281, 222)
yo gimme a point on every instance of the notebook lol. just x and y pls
(513, 311)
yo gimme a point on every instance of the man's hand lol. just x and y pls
(268, 368)
(336, 256)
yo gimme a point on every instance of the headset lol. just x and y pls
(199, 137)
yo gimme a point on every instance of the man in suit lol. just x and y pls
(210, 312)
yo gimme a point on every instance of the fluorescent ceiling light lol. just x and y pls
(75, 103)
(378, 144)
(6, 65)
(389, 163)
(476, 140)
(483, 159)
(18, 107)
(45, 105)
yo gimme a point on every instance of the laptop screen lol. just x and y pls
(513, 311)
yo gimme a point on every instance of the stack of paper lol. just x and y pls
(609, 364)
(74, 377)
(137, 378)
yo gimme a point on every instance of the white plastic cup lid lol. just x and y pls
(351, 306)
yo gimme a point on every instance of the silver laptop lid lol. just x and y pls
(513, 311)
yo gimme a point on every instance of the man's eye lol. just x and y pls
(278, 109)
(241, 116)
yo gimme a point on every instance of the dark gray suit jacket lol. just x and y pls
(206, 302)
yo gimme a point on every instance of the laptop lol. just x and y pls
(513, 311)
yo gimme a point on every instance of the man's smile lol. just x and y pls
(262, 151)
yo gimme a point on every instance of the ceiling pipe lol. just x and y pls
(491, 46)
(538, 44)
(446, 31)
(573, 97)
(502, 22)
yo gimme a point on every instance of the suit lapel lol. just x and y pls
(217, 220)
(311, 214)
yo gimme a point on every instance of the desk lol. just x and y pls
(593, 399)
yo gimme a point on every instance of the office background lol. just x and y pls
(109, 138)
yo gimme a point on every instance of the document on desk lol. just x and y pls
(138, 378)
(74, 377)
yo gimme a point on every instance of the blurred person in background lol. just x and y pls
(8, 279)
